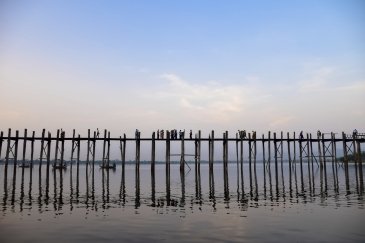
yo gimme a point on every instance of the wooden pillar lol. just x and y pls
(8, 148)
(72, 146)
(249, 148)
(32, 149)
(167, 151)
(56, 150)
(78, 149)
(49, 139)
(123, 155)
(345, 159)
(104, 143)
(24, 145)
(311, 147)
(88, 148)
(334, 147)
(62, 147)
(323, 149)
(199, 148)
(182, 158)
(16, 147)
(108, 157)
(153, 152)
(319, 150)
(308, 148)
(289, 154)
(1, 142)
(276, 148)
(281, 146)
(263, 148)
(42, 149)
(294, 148)
(300, 150)
(212, 148)
(196, 152)
(269, 146)
(94, 146)
(354, 153)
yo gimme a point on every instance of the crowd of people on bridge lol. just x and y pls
(174, 134)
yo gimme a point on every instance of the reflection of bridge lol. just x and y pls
(319, 148)
(271, 183)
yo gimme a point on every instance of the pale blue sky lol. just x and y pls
(121, 65)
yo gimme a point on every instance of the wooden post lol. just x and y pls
(94, 146)
(212, 148)
(323, 149)
(276, 148)
(182, 158)
(308, 148)
(295, 148)
(334, 147)
(123, 155)
(1, 142)
(56, 150)
(269, 145)
(8, 148)
(249, 148)
(354, 154)
(88, 148)
(263, 148)
(48, 150)
(289, 154)
(104, 143)
(311, 147)
(78, 150)
(167, 151)
(345, 159)
(281, 146)
(153, 153)
(42, 149)
(32, 150)
(24, 145)
(72, 146)
(108, 158)
(319, 149)
(199, 148)
(300, 150)
(210, 152)
(16, 147)
(62, 147)
(196, 153)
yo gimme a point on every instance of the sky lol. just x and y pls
(222, 65)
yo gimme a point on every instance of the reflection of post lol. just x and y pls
(21, 199)
(182, 178)
(182, 158)
(122, 186)
(137, 198)
(14, 188)
(153, 186)
(167, 185)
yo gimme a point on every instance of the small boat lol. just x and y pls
(110, 166)
(59, 165)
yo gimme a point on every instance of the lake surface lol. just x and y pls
(272, 203)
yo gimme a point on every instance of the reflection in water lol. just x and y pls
(315, 181)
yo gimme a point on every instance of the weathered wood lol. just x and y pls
(49, 139)
(281, 147)
(124, 147)
(42, 149)
(32, 149)
(269, 145)
(308, 149)
(182, 158)
(62, 148)
(153, 152)
(263, 148)
(344, 147)
(108, 157)
(288, 142)
(333, 147)
(323, 149)
(24, 146)
(16, 147)
(56, 150)
(78, 150)
(73, 143)
(294, 148)
(88, 148)
(212, 148)
(276, 148)
(8, 148)
(1, 142)
(104, 143)
(94, 147)
(319, 150)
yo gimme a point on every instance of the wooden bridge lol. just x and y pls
(326, 147)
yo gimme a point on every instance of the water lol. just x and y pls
(271, 204)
